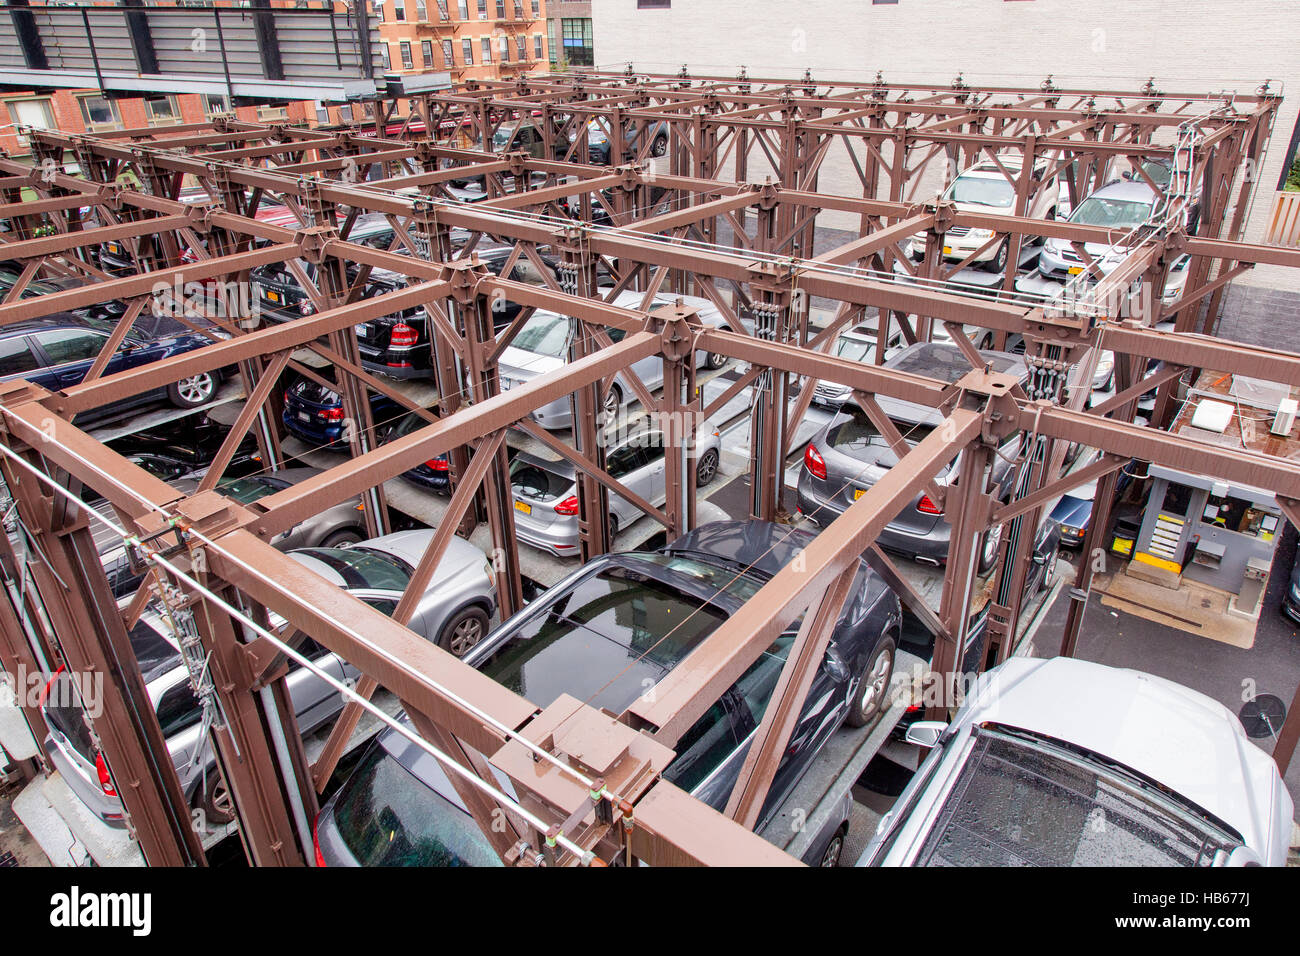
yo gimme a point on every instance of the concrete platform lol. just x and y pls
(1192, 607)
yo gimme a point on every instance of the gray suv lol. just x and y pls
(848, 455)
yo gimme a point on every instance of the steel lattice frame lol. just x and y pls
(663, 237)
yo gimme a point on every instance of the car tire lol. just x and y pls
(342, 537)
(715, 360)
(706, 468)
(611, 524)
(834, 849)
(871, 690)
(660, 145)
(214, 799)
(193, 391)
(1049, 572)
(989, 544)
(613, 403)
(999, 261)
(463, 632)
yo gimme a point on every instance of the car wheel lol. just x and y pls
(613, 402)
(1049, 572)
(466, 628)
(872, 688)
(989, 549)
(999, 261)
(706, 468)
(659, 146)
(834, 849)
(342, 538)
(715, 360)
(214, 799)
(193, 391)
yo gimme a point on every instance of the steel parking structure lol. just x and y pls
(587, 781)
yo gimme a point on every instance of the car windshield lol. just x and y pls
(1111, 213)
(855, 348)
(501, 138)
(613, 633)
(1022, 800)
(1160, 173)
(245, 490)
(364, 567)
(388, 817)
(544, 334)
(982, 191)
(858, 432)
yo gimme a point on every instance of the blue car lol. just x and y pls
(1074, 511)
(433, 473)
(57, 351)
(314, 413)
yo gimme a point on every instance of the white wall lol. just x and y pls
(1187, 45)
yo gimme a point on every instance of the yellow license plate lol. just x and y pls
(858, 493)
(947, 250)
(523, 507)
(273, 296)
(1075, 270)
(114, 248)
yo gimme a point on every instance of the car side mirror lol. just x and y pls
(925, 733)
(836, 666)
(1040, 559)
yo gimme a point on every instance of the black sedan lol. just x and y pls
(57, 351)
(617, 627)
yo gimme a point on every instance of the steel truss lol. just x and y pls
(588, 782)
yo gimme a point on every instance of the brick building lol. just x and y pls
(470, 39)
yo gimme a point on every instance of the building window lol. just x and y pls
(883, 1)
(487, 49)
(215, 104)
(551, 46)
(482, 9)
(537, 46)
(537, 9)
(467, 51)
(99, 113)
(653, 4)
(421, 11)
(576, 35)
(162, 110)
(463, 8)
(399, 10)
(384, 61)
(504, 43)
(521, 42)
(407, 62)
(272, 114)
(34, 113)
(345, 113)
(448, 55)
(379, 11)
(426, 50)
(501, 9)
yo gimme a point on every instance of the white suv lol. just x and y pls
(1064, 762)
(983, 188)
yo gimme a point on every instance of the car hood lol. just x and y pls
(522, 364)
(1176, 736)
(410, 546)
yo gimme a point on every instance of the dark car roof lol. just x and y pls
(948, 363)
(56, 320)
(762, 545)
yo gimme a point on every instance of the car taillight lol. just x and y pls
(437, 464)
(569, 506)
(814, 462)
(105, 781)
(315, 842)
(403, 336)
(45, 691)
(927, 506)
(305, 307)
(333, 414)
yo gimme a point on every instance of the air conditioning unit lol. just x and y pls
(1284, 421)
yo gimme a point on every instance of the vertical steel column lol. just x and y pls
(93, 640)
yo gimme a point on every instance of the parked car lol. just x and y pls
(546, 490)
(848, 455)
(391, 811)
(1120, 207)
(524, 136)
(314, 413)
(58, 350)
(180, 715)
(542, 345)
(634, 135)
(1074, 511)
(859, 345)
(186, 447)
(457, 604)
(983, 188)
(1291, 597)
(1064, 762)
(113, 309)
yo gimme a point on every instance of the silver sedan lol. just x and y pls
(546, 491)
(456, 606)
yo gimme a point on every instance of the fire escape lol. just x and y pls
(513, 22)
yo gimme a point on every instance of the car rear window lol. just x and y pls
(533, 481)
(544, 335)
(1028, 802)
(982, 191)
(388, 817)
(1112, 213)
(858, 432)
